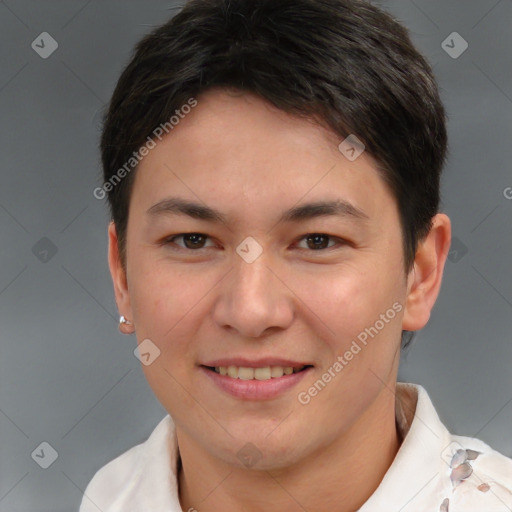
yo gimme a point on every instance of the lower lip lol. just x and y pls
(255, 389)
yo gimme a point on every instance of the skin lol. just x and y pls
(236, 153)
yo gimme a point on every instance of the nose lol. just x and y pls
(253, 299)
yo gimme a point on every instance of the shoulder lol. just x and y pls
(109, 481)
(466, 474)
(112, 484)
(481, 477)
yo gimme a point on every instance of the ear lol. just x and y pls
(118, 274)
(424, 279)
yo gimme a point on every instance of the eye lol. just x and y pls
(192, 241)
(196, 241)
(317, 241)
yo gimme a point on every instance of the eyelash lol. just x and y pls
(170, 240)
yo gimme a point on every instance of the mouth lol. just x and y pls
(261, 373)
(255, 380)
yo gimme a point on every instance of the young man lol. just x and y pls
(272, 169)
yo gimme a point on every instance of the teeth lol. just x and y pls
(245, 373)
(276, 371)
(265, 373)
(262, 373)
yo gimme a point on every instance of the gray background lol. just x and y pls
(68, 378)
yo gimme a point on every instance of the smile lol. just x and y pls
(255, 383)
(263, 373)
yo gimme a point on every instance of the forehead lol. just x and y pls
(237, 150)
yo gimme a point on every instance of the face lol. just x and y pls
(270, 284)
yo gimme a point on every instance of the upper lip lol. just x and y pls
(259, 363)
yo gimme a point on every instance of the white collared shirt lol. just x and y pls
(433, 470)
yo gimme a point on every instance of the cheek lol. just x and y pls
(363, 312)
(164, 302)
(348, 301)
(163, 298)
(166, 305)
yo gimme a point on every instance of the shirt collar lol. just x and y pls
(418, 462)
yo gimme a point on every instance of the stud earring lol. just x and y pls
(125, 326)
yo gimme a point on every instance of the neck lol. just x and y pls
(340, 476)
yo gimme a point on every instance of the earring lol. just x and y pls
(125, 326)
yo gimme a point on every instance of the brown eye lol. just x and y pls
(317, 241)
(192, 241)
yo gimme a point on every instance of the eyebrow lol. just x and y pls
(178, 206)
